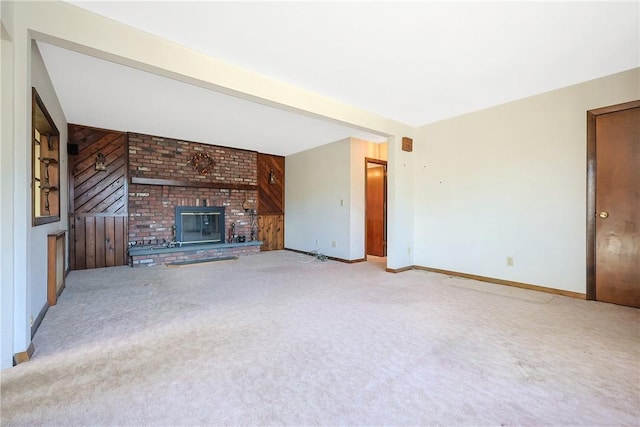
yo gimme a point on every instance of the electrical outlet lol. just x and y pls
(509, 261)
(409, 250)
(333, 243)
(341, 202)
(317, 242)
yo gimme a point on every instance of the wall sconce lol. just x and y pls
(272, 177)
(100, 162)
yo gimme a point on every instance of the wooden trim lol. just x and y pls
(52, 265)
(591, 189)
(591, 206)
(615, 108)
(197, 184)
(350, 261)
(97, 214)
(377, 161)
(384, 164)
(96, 128)
(398, 270)
(38, 104)
(24, 356)
(38, 320)
(45, 219)
(346, 261)
(70, 177)
(571, 294)
(125, 184)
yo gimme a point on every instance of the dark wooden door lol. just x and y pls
(97, 198)
(375, 216)
(617, 239)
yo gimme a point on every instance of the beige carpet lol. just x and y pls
(273, 339)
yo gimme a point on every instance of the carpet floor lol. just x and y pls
(280, 339)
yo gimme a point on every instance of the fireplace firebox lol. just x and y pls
(199, 224)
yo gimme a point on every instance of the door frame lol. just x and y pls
(383, 163)
(591, 189)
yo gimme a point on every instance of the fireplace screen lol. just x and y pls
(199, 224)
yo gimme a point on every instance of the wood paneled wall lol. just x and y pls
(271, 232)
(271, 195)
(98, 191)
(271, 201)
(98, 241)
(98, 199)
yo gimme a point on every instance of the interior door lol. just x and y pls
(617, 207)
(376, 209)
(98, 219)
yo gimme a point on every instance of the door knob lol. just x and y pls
(604, 214)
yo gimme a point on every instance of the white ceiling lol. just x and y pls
(414, 62)
(131, 100)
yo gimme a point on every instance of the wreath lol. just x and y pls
(201, 163)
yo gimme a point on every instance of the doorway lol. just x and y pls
(613, 204)
(376, 207)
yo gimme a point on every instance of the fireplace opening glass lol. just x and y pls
(199, 224)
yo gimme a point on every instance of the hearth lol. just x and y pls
(199, 224)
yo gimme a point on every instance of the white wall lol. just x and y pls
(401, 201)
(37, 271)
(325, 199)
(511, 181)
(6, 187)
(16, 170)
(23, 261)
(317, 197)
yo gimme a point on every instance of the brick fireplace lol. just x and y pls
(165, 178)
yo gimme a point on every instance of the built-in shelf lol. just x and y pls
(198, 184)
(45, 159)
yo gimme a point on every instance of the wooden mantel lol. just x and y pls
(198, 184)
